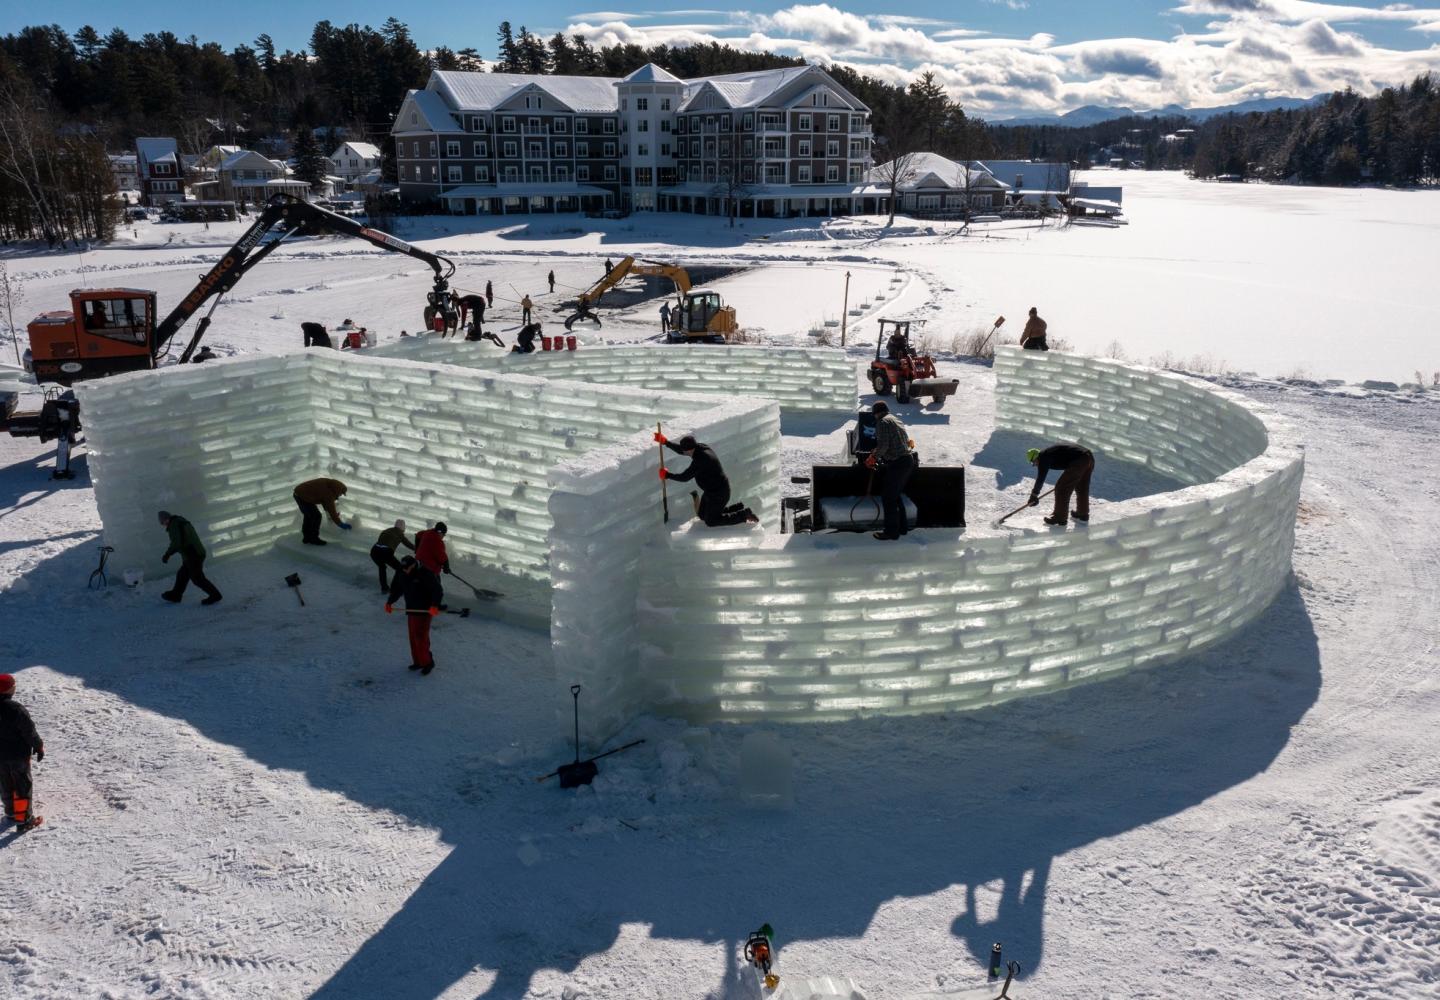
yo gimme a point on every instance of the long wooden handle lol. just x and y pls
(664, 492)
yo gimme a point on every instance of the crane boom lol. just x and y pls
(303, 219)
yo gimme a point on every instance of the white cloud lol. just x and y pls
(1242, 49)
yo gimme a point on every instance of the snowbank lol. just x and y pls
(738, 625)
(800, 379)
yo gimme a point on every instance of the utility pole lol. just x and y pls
(845, 309)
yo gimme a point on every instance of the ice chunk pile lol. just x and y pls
(740, 625)
(800, 379)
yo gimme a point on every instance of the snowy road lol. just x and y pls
(257, 800)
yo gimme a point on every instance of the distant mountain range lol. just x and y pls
(1094, 114)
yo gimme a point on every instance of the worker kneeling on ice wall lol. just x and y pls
(714, 506)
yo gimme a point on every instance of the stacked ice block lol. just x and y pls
(800, 379)
(743, 626)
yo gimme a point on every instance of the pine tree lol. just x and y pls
(509, 55)
(311, 166)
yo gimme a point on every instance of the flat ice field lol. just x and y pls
(257, 800)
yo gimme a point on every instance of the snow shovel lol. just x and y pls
(462, 612)
(1022, 507)
(294, 580)
(480, 592)
(581, 772)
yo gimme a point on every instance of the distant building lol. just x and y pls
(159, 170)
(353, 160)
(126, 171)
(247, 178)
(1037, 184)
(939, 186)
(773, 143)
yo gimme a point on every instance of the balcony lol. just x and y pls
(772, 128)
(535, 130)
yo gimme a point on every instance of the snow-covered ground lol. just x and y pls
(258, 800)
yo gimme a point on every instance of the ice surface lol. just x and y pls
(767, 772)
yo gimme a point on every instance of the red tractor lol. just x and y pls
(897, 366)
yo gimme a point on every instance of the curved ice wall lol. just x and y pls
(737, 624)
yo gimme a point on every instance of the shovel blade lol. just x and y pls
(577, 774)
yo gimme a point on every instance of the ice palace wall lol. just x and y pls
(800, 379)
(555, 481)
(741, 625)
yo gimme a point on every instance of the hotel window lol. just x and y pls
(582, 149)
(804, 125)
(582, 126)
(832, 173)
(802, 173)
(832, 123)
(609, 173)
(479, 149)
(452, 149)
(453, 175)
(642, 150)
(642, 104)
(562, 149)
(558, 125)
(643, 126)
(507, 124)
(482, 173)
(665, 125)
(609, 150)
(804, 147)
(608, 127)
(537, 172)
(832, 148)
(512, 150)
(582, 173)
(664, 104)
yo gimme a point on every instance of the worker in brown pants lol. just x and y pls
(1076, 464)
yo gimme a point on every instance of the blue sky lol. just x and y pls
(996, 56)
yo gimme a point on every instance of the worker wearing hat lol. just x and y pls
(1076, 463)
(18, 740)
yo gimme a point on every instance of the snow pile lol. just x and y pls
(745, 626)
(800, 379)
(603, 514)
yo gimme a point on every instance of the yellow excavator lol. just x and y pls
(698, 316)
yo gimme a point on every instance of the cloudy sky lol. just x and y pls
(998, 57)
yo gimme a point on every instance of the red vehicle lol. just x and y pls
(897, 367)
(110, 330)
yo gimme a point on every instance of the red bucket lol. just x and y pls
(570, 343)
(437, 323)
(546, 344)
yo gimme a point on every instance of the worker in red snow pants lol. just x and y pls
(421, 590)
(18, 740)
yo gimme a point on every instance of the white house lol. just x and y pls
(247, 178)
(126, 171)
(937, 185)
(353, 160)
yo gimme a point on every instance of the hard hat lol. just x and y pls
(1032, 454)
(7, 684)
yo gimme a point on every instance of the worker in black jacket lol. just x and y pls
(18, 740)
(1076, 464)
(422, 593)
(705, 469)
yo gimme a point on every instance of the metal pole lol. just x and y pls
(845, 309)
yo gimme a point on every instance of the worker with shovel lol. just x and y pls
(421, 590)
(1076, 464)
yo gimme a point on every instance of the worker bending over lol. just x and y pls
(385, 552)
(1076, 463)
(714, 508)
(310, 496)
(895, 459)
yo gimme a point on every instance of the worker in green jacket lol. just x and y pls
(185, 543)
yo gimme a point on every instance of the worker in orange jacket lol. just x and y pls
(310, 496)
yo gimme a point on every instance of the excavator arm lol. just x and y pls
(628, 265)
(303, 219)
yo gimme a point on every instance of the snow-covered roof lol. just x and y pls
(362, 149)
(122, 159)
(246, 156)
(650, 73)
(433, 113)
(747, 90)
(466, 91)
(931, 170)
(154, 149)
(1032, 176)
